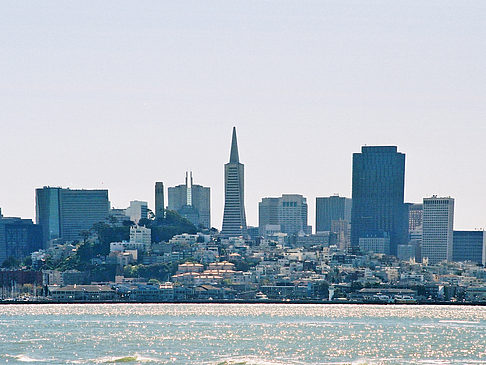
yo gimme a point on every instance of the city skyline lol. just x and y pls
(307, 86)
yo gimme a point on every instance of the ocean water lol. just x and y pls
(241, 334)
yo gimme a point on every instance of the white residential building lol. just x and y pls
(141, 235)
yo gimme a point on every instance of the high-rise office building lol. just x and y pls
(159, 200)
(289, 212)
(378, 209)
(469, 246)
(64, 213)
(18, 238)
(234, 218)
(438, 225)
(268, 213)
(415, 216)
(292, 214)
(191, 201)
(333, 208)
(137, 210)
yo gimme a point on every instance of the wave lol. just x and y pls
(125, 359)
(25, 358)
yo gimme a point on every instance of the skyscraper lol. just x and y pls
(333, 208)
(234, 218)
(64, 213)
(191, 201)
(438, 225)
(469, 246)
(18, 238)
(159, 200)
(289, 211)
(378, 209)
(267, 213)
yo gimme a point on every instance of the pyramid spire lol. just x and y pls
(234, 158)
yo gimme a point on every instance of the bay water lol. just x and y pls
(242, 334)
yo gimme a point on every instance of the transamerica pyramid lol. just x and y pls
(234, 218)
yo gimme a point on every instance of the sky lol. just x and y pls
(120, 94)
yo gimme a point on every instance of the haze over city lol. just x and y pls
(118, 96)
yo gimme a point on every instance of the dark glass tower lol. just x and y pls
(333, 208)
(378, 189)
(234, 219)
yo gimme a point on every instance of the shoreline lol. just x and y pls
(480, 304)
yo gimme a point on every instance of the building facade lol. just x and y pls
(137, 210)
(415, 216)
(18, 238)
(469, 246)
(438, 225)
(191, 201)
(288, 211)
(332, 208)
(378, 190)
(268, 213)
(64, 213)
(234, 217)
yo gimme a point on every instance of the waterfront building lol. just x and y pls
(377, 198)
(137, 210)
(159, 200)
(65, 213)
(18, 238)
(192, 202)
(438, 223)
(332, 208)
(469, 246)
(234, 218)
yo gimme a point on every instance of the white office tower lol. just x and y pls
(137, 210)
(438, 222)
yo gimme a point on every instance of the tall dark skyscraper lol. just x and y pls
(64, 213)
(333, 208)
(234, 219)
(378, 207)
(18, 238)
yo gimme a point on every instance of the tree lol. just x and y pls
(11, 263)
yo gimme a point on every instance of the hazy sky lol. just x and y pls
(118, 95)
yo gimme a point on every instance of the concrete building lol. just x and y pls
(268, 213)
(141, 234)
(288, 211)
(375, 244)
(234, 217)
(191, 201)
(118, 216)
(469, 246)
(415, 216)
(332, 208)
(159, 200)
(137, 210)
(65, 213)
(438, 224)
